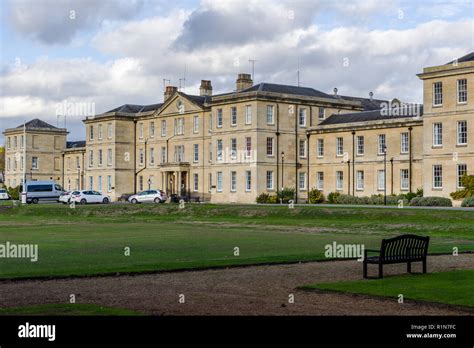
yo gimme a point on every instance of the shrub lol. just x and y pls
(364, 200)
(263, 198)
(431, 202)
(14, 192)
(468, 202)
(468, 190)
(286, 194)
(273, 199)
(316, 196)
(332, 197)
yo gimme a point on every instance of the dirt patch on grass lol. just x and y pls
(256, 290)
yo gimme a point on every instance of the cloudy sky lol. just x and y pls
(110, 52)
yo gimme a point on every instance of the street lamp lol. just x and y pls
(149, 184)
(282, 165)
(385, 174)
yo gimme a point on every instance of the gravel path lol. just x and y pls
(255, 290)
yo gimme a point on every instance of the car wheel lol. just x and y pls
(35, 200)
(157, 200)
(105, 200)
(83, 201)
(134, 201)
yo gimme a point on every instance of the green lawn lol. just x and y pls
(91, 239)
(453, 288)
(67, 309)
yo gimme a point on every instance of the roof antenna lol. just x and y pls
(164, 84)
(183, 79)
(253, 61)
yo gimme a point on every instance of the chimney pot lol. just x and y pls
(243, 81)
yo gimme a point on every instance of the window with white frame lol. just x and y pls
(248, 114)
(248, 180)
(302, 117)
(78, 163)
(100, 132)
(233, 181)
(91, 158)
(219, 150)
(437, 176)
(302, 180)
(437, 94)
(140, 132)
(152, 129)
(360, 180)
(210, 152)
(321, 113)
(109, 183)
(210, 123)
(219, 118)
(196, 182)
(320, 148)
(270, 118)
(196, 153)
(404, 142)
(462, 133)
(302, 148)
(233, 116)
(163, 155)
(248, 147)
(437, 134)
(152, 155)
(179, 153)
(462, 91)
(100, 157)
(269, 180)
(8, 143)
(461, 170)
(22, 162)
(219, 181)
(196, 124)
(163, 128)
(22, 142)
(91, 183)
(270, 142)
(179, 126)
(339, 146)
(382, 144)
(233, 148)
(339, 180)
(320, 180)
(99, 183)
(141, 156)
(140, 182)
(209, 183)
(9, 164)
(404, 179)
(109, 130)
(91, 132)
(381, 179)
(360, 145)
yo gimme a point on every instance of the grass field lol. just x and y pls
(453, 288)
(90, 239)
(67, 309)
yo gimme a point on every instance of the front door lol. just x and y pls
(183, 183)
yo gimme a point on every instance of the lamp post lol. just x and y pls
(149, 184)
(385, 175)
(282, 165)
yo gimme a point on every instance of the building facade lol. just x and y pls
(231, 147)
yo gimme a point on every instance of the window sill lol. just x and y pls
(437, 146)
(461, 145)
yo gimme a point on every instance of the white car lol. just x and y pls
(66, 196)
(85, 196)
(149, 196)
(4, 194)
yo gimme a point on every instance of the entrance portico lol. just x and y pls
(175, 177)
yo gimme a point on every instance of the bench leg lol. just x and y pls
(409, 267)
(380, 270)
(365, 270)
(424, 266)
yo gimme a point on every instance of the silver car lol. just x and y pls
(4, 194)
(149, 196)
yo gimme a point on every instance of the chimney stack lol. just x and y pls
(243, 81)
(205, 89)
(169, 91)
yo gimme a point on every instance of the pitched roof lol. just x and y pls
(467, 58)
(372, 115)
(287, 89)
(367, 103)
(37, 123)
(200, 100)
(75, 144)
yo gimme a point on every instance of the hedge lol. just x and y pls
(431, 202)
(468, 202)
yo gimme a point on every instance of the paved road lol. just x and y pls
(255, 290)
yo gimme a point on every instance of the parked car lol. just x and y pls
(66, 196)
(4, 194)
(85, 196)
(42, 190)
(149, 196)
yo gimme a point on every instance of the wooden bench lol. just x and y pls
(406, 248)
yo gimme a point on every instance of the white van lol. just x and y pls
(42, 190)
